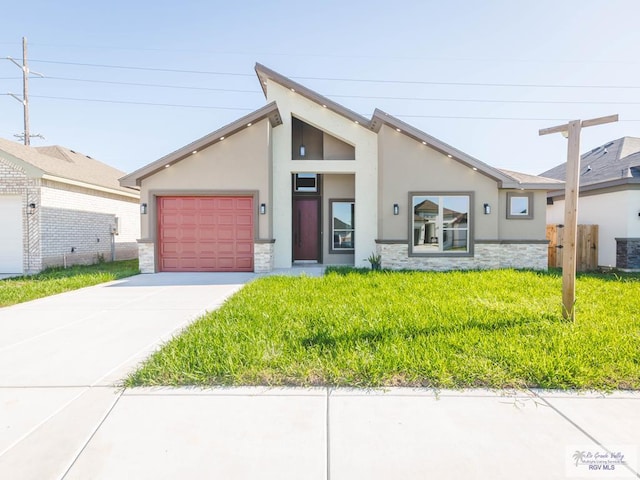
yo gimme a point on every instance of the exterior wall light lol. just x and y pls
(32, 208)
(396, 209)
(143, 209)
(487, 209)
(263, 208)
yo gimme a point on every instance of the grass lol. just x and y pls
(497, 329)
(58, 280)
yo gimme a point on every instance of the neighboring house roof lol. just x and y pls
(64, 165)
(614, 163)
(532, 180)
(269, 111)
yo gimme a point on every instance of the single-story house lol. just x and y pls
(60, 207)
(304, 179)
(609, 197)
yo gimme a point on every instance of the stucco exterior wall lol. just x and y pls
(364, 168)
(238, 163)
(523, 229)
(408, 166)
(76, 224)
(616, 214)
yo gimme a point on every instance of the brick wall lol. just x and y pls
(76, 225)
(14, 181)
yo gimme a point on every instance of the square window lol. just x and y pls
(519, 205)
(440, 224)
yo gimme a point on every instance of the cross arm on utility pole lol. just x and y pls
(571, 130)
(585, 123)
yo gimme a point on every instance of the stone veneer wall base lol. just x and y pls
(628, 253)
(263, 257)
(487, 256)
(147, 257)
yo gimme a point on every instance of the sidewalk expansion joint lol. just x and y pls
(581, 430)
(95, 430)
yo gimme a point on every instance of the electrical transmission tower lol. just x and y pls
(25, 92)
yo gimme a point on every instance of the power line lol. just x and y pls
(158, 85)
(148, 69)
(210, 107)
(98, 100)
(333, 55)
(344, 79)
(421, 99)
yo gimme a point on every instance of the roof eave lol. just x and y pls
(30, 169)
(593, 187)
(265, 74)
(269, 111)
(540, 186)
(380, 117)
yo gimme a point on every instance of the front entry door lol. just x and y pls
(306, 238)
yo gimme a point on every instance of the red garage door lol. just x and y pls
(205, 234)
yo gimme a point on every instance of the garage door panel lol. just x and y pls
(244, 204)
(225, 204)
(244, 219)
(205, 233)
(244, 249)
(11, 241)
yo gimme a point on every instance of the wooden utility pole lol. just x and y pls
(25, 90)
(571, 131)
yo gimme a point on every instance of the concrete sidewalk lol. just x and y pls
(63, 417)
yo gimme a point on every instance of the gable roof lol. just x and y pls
(269, 111)
(64, 165)
(265, 74)
(503, 177)
(615, 162)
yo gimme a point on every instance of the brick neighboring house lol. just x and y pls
(61, 207)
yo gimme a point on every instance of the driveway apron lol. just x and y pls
(62, 357)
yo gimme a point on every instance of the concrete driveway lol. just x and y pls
(62, 415)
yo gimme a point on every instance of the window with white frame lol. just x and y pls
(520, 205)
(342, 226)
(440, 223)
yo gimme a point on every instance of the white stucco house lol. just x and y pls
(609, 197)
(60, 207)
(304, 179)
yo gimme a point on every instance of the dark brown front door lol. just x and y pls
(305, 229)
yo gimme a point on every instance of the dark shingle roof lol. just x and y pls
(612, 161)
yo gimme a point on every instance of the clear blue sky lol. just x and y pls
(439, 43)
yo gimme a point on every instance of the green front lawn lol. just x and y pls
(449, 330)
(58, 280)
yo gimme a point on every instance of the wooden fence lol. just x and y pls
(586, 247)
